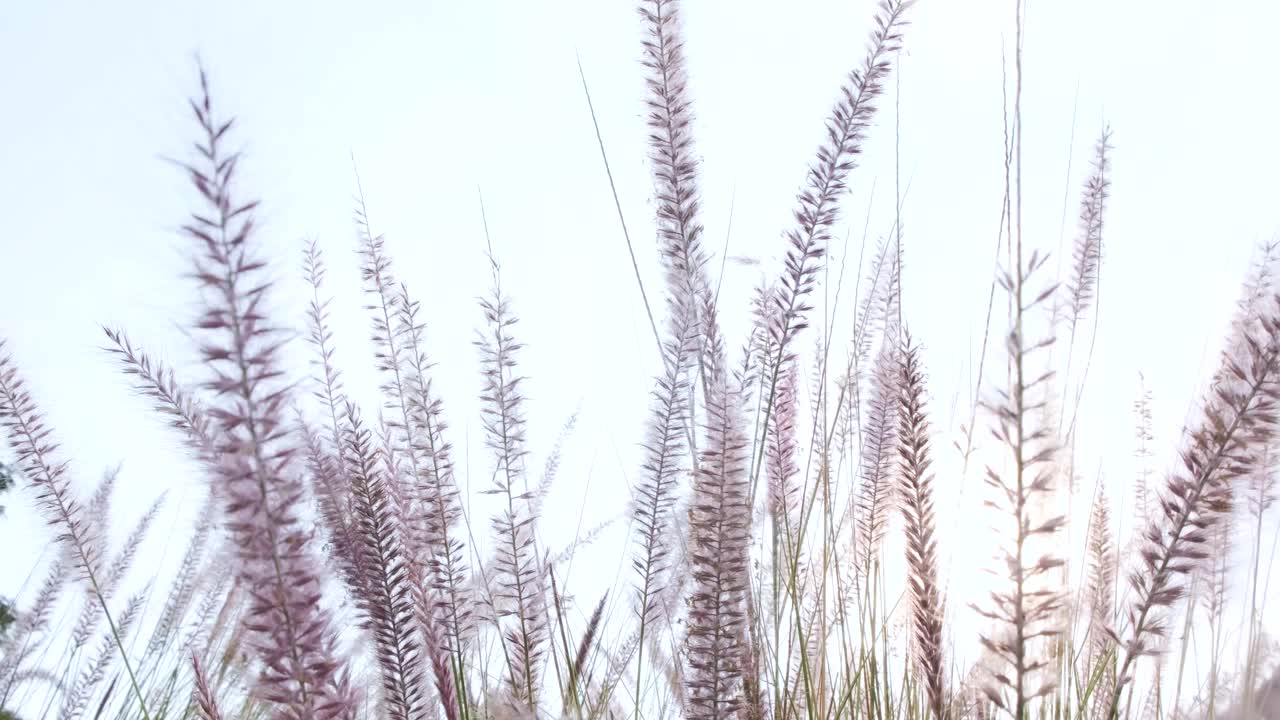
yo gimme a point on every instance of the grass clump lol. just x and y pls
(757, 585)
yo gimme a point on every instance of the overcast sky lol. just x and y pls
(442, 102)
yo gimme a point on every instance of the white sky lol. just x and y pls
(438, 99)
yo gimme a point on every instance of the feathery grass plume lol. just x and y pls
(334, 502)
(1087, 256)
(1258, 287)
(719, 525)
(848, 410)
(1027, 611)
(781, 467)
(36, 451)
(328, 381)
(48, 677)
(587, 644)
(869, 313)
(551, 466)
(220, 594)
(719, 539)
(436, 491)
(420, 484)
(1237, 422)
(917, 509)
(121, 563)
(1101, 589)
(97, 511)
(448, 683)
(520, 594)
(183, 587)
(878, 487)
(585, 539)
(758, 358)
(1257, 292)
(114, 574)
(302, 674)
(674, 166)
(99, 505)
(654, 495)
(77, 698)
(757, 351)
(889, 316)
(206, 702)
(379, 283)
(825, 182)
(325, 458)
(154, 380)
(690, 340)
(31, 440)
(18, 642)
(576, 687)
(386, 599)
(602, 695)
(819, 381)
(186, 414)
(1142, 491)
(872, 312)
(1102, 573)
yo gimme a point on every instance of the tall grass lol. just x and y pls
(335, 570)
